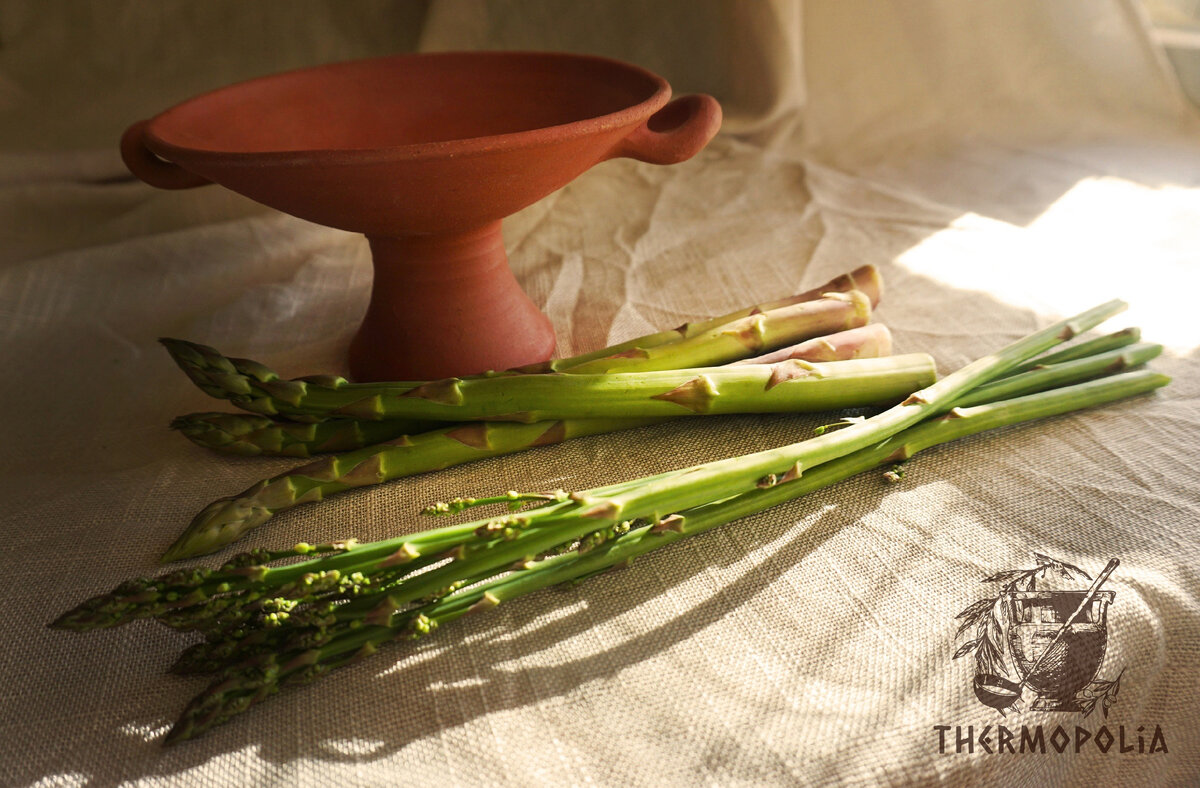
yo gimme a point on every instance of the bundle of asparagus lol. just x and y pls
(267, 627)
(602, 394)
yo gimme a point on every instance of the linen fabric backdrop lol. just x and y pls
(1004, 164)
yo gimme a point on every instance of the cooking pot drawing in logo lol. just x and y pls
(1041, 641)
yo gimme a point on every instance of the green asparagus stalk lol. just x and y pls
(760, 388)
(249, 434)
(865, 279)
(1102, 344)
(258, 389)
(301, 632)
(755, 333)
(788, 386)
(252, 435)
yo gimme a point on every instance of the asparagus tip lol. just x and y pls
(221, 522)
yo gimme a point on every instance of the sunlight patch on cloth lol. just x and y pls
(1108, 228)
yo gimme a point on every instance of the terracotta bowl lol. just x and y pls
(425, 154)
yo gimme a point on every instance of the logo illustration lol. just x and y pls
(1041, 638)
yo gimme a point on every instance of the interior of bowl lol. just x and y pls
(407, 100)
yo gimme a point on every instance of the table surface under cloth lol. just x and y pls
(809, 644)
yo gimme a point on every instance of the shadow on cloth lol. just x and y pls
(454, 692)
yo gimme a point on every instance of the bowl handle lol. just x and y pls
(675, 133)
(155, 171)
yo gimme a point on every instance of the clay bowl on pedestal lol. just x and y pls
(425, 154)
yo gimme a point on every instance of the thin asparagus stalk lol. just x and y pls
(1102, 344)
(820, 386)
(1061, 373)
(258, 389)
(305, 648)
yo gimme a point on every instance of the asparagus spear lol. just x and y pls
(1102, 344)
(258, 389)
(287, 627)
(250, 434)
(787, 386)
(757, 332)
(865, 279)
(870, 341)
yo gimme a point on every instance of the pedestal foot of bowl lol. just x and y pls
(446, 304)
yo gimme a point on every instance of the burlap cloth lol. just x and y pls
(1004, 164)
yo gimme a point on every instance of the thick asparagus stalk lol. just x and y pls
(865, 279)
(229, 378)
(283, 643)
(869, 341)
(788, 386)
(228, 519)
(253, 387)
(819, 386)
(757, 332)
(249, 434)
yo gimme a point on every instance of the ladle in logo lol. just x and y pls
(1050, 641)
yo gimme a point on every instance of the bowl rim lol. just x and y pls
(467, 146)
